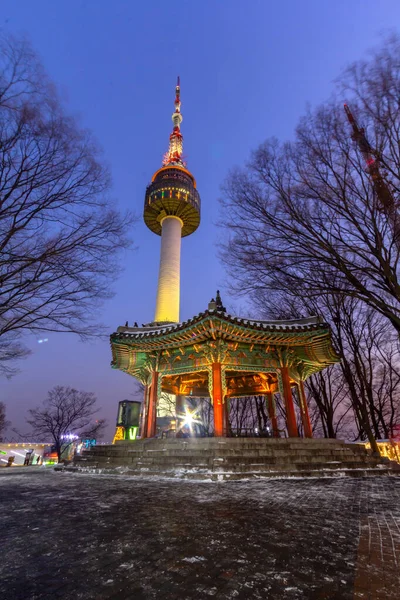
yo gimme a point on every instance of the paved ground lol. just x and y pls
(72, 536)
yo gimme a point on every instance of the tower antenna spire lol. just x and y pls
(175, 150)
(381, 188)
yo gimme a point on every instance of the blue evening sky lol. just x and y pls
(248, 70)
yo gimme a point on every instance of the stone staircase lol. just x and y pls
(233, 458)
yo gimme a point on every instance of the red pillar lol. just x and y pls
(145, 412)
(272, 414)
(152, 411)
(287, 394)
(218, 400)
(305, 417)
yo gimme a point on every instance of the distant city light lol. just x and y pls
(69, 436)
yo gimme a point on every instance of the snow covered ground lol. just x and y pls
(69, 536)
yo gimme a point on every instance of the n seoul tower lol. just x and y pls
(172, 210)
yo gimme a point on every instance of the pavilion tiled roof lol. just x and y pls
(154, 330)
(310, 338)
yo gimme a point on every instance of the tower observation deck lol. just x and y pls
(172, 210)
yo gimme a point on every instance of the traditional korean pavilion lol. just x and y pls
(213, 354)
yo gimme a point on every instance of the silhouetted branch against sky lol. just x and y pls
(3, 421)
(60, 232)
(66, 412)
(305, 213)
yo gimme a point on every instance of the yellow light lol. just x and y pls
(390, 450)
(119, 434)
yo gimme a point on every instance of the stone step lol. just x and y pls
(203, 474)
(232, 457)
(135, 449)
(228, 460)
(299, 466)
(227, 452)
(294, 456)
(168, 458)
(218, 466)
(232, 443)
(251, 464)
(171, 456)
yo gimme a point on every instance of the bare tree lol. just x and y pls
(205, 415)
(247, 415)
(372, 353)
(3, 422)
(241, 419)
(11, 350)
(306, 225)
(166, 405)
(359, 334)
(387, 386)
(304, 213)
(60, 233)
(329, 407)
(366, 382)
(66, 412)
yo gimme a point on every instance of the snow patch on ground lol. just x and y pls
(193, 559)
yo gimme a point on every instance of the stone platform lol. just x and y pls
(234, 458)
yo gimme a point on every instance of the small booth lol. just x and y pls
(128, 419)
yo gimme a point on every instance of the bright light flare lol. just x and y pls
(189, 418)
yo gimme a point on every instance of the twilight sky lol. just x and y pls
(248, 69)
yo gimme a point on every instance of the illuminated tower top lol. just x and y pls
(173, 191)
(172, 210)
(175, 150)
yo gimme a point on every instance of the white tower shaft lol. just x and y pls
(168, 291)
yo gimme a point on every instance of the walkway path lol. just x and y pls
(72, 536)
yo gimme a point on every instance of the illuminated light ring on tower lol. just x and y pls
(172, 193)
(172, 210)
